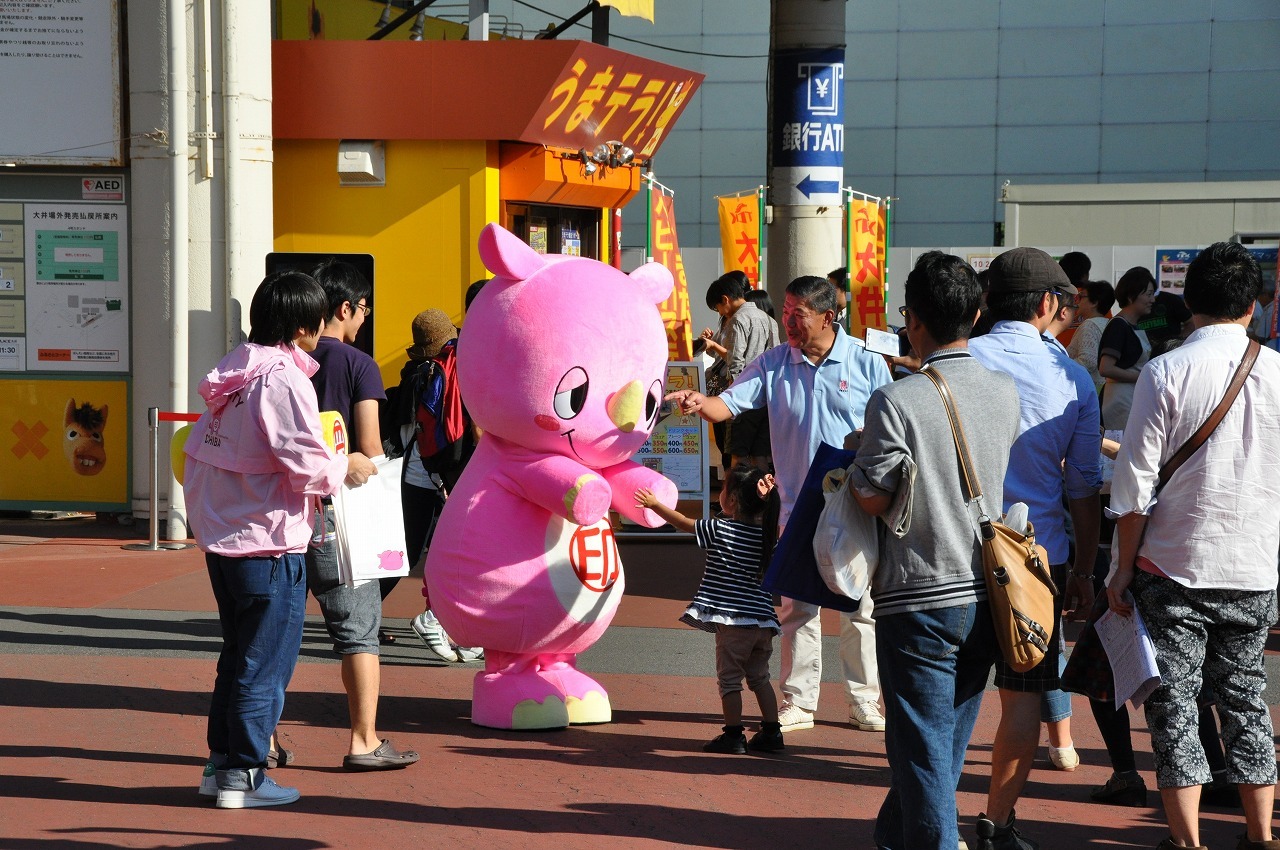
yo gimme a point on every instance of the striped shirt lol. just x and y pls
(730, 593)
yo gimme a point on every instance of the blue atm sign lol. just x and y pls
(808, 143)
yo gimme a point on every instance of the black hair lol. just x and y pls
(342, 282)
(1102, 294)
(984, 279)
(733, 284)
(1132, 284)
(472, 291)
(839, 277)
(760, 298)
(742, 481)
(943, 293)
(283, 303)
(1076, 265)
(1223, 281)
(816, 291)
(1014, 306)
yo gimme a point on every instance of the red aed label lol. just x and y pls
(593, 554)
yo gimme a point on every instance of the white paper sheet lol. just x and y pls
(1132, 656)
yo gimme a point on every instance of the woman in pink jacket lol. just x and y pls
(256, 461)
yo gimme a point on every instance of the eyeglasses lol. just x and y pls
(365, 308)
(902, 311)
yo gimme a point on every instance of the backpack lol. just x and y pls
(442, 426)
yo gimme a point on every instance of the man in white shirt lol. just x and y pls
(1202, 566)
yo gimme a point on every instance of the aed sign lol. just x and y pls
(108, 188)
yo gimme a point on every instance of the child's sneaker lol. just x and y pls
(261, 791)
(731, 741)
(768, 739)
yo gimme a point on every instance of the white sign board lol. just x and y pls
(76, 268)
(60, 62)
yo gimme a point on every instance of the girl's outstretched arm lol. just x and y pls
(646, 499)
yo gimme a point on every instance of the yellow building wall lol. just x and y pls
(421, 228)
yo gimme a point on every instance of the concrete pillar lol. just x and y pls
(224, 263)
(806, 140)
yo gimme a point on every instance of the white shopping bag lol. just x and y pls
(369, 526)
(845, 545)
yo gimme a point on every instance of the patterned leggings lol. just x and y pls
(1223, 632)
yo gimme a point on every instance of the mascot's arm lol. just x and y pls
(563, 487)
(627, 477)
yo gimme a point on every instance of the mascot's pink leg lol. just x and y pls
(513, 693)
(585, 699)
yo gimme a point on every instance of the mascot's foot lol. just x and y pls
(586, 700)
(523, 700)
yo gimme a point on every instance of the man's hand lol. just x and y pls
(689, 401)
(359, 469)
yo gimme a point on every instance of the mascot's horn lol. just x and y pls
(506, 255)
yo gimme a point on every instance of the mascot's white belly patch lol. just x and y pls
(585, 571)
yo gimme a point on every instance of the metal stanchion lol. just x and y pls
(154, 545)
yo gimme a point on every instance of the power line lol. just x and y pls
(646, 43)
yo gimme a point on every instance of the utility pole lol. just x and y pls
(806, 140)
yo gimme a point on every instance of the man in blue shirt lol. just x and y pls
(1056, 455)
(816, 389)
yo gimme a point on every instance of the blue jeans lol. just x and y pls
(934, 667)
(261, 606)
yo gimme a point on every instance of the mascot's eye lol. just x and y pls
(95, 436)
(653, 403)
(72, 433)
(571, 393)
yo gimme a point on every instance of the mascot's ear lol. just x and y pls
(68, 415)
(655, 281)
(506, 255)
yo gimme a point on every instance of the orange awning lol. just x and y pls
(571, 94)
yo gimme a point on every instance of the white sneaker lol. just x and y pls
(268, 793)
(1064, 758)
(467, 654)
(209, 781)
(866, 716)
(427, 627)
(793, 718)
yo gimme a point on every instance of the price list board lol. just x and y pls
(677, 448)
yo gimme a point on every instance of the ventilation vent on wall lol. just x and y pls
(362, 163)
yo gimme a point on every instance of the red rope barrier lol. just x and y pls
(177, 417)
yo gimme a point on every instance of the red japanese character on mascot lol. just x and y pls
(561, 365)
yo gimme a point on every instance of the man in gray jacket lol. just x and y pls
(934, 638)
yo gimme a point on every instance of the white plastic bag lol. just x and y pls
(845, 545)
(370, 526)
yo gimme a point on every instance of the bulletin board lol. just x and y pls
(677, 448)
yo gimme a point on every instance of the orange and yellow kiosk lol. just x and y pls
(544, 137)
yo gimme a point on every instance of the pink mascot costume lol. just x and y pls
(561, 364)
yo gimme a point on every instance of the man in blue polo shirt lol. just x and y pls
(1056, 455)
(816, 389)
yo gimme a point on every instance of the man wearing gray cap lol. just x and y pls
(1056, 454)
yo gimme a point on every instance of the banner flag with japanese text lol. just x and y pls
(866, 268)
(740, 235)
(666, 250)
